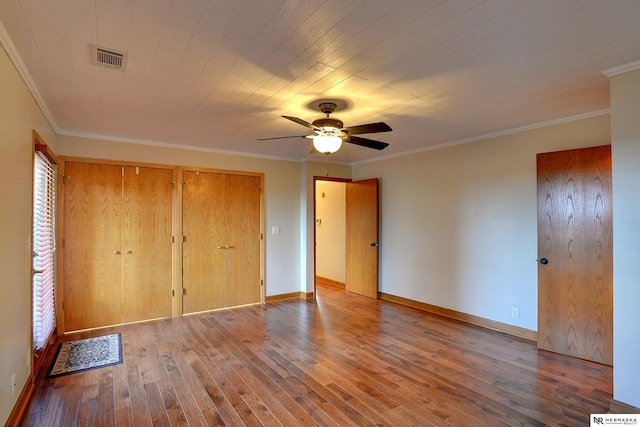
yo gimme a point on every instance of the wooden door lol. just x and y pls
(362, 237)
(146, 244)
(242, 224)
(204, 240)
(92, 245)
(575, 269)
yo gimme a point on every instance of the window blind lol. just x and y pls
(44, 249)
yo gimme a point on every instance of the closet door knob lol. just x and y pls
(220, 247)
(127, 251)
(116, 252)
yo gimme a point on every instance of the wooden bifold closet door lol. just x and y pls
(221, 243)
(117, 244)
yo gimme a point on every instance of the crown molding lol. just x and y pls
(610, 72)
(491, 135)
(98, 137)
(16, 59)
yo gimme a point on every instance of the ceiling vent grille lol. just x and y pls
(109, 57)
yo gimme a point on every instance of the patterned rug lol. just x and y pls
(90, 353)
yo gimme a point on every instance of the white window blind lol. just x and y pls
(44, 249)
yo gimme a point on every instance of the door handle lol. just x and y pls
(375, 244)
(544, 261)
(116, 252)
(127, 251)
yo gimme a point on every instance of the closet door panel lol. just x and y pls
(92, 246)
(242, 222)
(204, 241)
(146, 254)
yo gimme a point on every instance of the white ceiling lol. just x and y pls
(218, 74)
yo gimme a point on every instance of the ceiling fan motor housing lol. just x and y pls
(328, 124)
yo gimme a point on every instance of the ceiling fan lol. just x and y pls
(330, 132)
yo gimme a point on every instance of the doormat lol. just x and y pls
(86, 354)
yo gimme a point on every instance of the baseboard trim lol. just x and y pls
(19, 412)
(505, 328)
(617, 407)
(330, 282)
(290, 295)
(39, 355)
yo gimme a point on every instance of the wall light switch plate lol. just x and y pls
(275, 230)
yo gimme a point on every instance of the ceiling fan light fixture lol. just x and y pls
(327, 144)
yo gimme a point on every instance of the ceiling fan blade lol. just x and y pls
(283, 137)
(369, 143)
(369, 128)
(300, 122)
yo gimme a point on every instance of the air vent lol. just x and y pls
(108, 57)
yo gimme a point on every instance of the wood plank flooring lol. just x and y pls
(344, 360)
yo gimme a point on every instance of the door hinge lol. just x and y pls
(261, 282)
(261, 237)
(184, 239)
(184, 291)
(173, 184)
(63, 242)
(173, 292)
(64, 178)
(63, 305)
(260, 189)
(173, 239)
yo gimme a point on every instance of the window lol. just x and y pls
(44, 246)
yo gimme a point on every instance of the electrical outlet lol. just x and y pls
(515, 312)
(13, 385)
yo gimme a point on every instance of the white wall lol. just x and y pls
(459, 224)
(281, 197)
(330, 232)
(19, 114)
(625, 147)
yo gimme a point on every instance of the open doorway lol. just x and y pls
(330, 232)
(360, 236)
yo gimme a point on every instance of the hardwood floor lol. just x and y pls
(344, 360)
